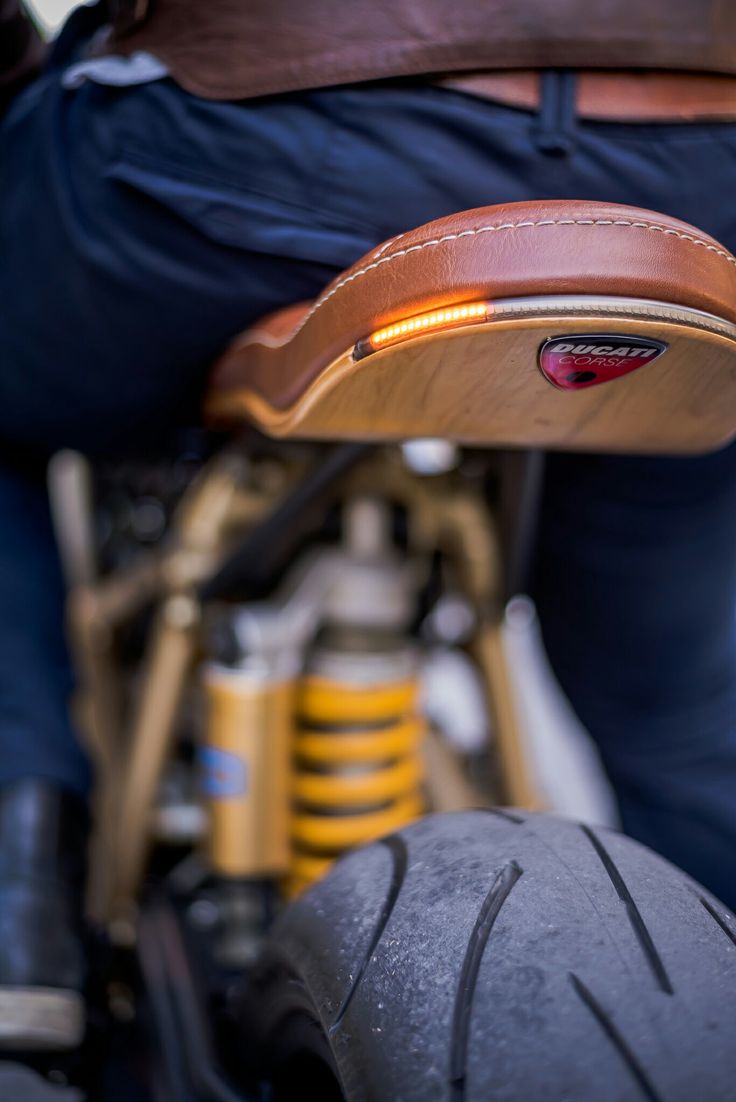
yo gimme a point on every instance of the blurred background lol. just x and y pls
(50, 14)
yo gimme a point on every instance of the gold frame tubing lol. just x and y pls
(459, 521)
(214, 510)
(166, 666)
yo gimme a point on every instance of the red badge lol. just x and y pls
(587, 359)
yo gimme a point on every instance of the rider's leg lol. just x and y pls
(114, 305)
(36, 737)
(44, 778)
(636, 589)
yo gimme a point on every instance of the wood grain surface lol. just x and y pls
(482, 385)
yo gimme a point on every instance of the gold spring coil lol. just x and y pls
(357, 770)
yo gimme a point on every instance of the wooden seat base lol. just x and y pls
(439, 333)
(482, 385)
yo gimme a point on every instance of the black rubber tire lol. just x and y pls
(512, 957)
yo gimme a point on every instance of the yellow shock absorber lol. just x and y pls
(245, 771)
(357, 765)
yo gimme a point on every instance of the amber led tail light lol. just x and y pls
(432, 321)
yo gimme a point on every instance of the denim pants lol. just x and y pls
(141, 228)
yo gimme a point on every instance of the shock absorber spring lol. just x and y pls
(357, 765)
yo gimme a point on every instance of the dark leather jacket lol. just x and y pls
(233, 49)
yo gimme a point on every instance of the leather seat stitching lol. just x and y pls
(387, 245)
(257, 336)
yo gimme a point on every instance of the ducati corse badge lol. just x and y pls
(587, 359)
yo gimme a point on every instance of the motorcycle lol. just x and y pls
(325, 894)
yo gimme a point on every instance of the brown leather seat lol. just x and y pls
(574, 267)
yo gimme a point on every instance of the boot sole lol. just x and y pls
(40, 1018)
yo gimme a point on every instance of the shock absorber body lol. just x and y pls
(357, 766)
(245, 756)
(245, 769)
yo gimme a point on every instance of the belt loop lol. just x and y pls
(555, 127)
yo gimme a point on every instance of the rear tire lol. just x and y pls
(490, 955)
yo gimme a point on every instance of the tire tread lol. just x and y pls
(484, 923)
(638, 925)
(503, 956)
(397, 847)
(718, 919)
(605, 1022)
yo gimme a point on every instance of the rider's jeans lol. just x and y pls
(141, 228)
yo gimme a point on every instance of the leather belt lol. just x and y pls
(614, 96)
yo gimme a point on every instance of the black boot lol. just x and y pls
(43, 842)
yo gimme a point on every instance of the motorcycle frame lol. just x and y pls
(230, 498)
